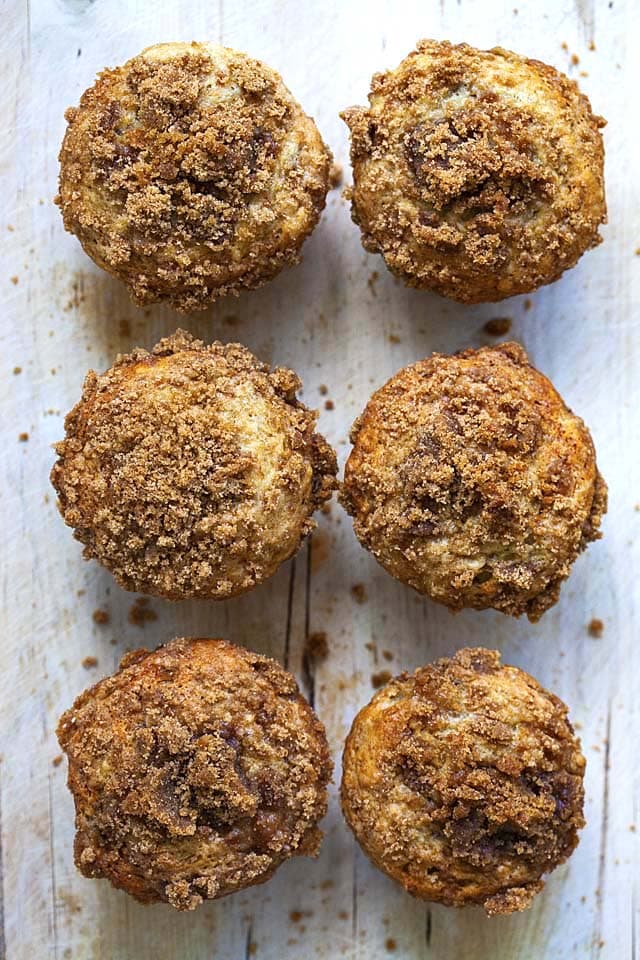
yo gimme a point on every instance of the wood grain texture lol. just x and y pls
(337, 323)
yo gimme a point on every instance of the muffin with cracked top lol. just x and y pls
(477, 174)
(196, 770)
(471, 481)
(192, 471)
(464, 782)
(191, 172)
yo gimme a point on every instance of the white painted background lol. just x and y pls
(328, 321)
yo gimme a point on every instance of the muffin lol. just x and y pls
(471, 481)
(476, 174)
(193, 470)
(196, 770)
(191, 172)
(463, 782)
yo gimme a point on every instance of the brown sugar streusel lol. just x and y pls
(191, 172)
(464, 782)
(477, 174)
(196, 770)
(191, 471)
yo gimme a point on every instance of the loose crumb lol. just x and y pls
(595, 628)
(100, 616)
(15, 281)
(57, 760)
(592, 45)
(329, 405)
(140, 613)
(575, 59)
(528, 303)
(89, 662)
(498, 326)
(359, 593)
(379, 679)
(335, 175)
(17, 370)
(324, 389)
(390, 944)
(393, 338)
(295, 916)
(564, 45)
(23, 437)
(387, 655)
(317, 646)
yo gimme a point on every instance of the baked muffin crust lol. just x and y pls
(471, 481)
(191, 172)
(464, 782)
(193, 470)
(196, 770)
(477, 174)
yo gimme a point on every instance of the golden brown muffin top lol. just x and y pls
(470, 480)
(196, 770)
(463, 782)
(193, 470)
(477, 174)
(191, 171)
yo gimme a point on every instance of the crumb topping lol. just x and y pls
(190, 172)
(193, 470)
(477, 174)
(196, 770)
(464, 782)
(470, 480)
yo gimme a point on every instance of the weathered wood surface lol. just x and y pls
(337, 324)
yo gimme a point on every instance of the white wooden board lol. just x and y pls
(336, 324)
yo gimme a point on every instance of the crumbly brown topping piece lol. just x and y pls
(464, 782)
(196, 770)
(477, 174)
(471, 481)
(193, 470)
(191, 172)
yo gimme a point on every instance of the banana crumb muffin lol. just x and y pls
(196, 770)
(193, 470)
(477, 174)
(464, 782)
(191, 172)
(471, 481)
